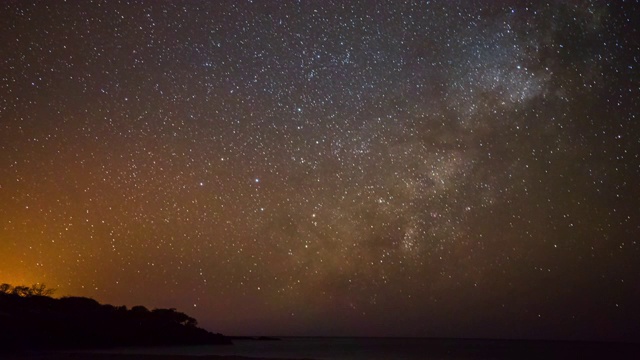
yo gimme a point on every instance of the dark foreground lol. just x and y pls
(101, 356)
(375, 349)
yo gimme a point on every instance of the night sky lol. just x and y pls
(424, 168)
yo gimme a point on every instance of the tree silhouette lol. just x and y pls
(5, 288)
(24, 291)
(173, 316)
(30, 318)
(139, 309)
(41, 290)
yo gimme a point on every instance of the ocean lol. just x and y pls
(327, 348)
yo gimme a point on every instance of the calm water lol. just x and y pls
(309, 348)
(399, 348)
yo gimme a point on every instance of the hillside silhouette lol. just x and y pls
(31, 319)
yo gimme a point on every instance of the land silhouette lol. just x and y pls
(31, 319)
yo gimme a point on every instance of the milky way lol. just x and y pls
(426, 168)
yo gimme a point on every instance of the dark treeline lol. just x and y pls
(31, 319)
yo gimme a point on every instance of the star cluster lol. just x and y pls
(423, 168)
